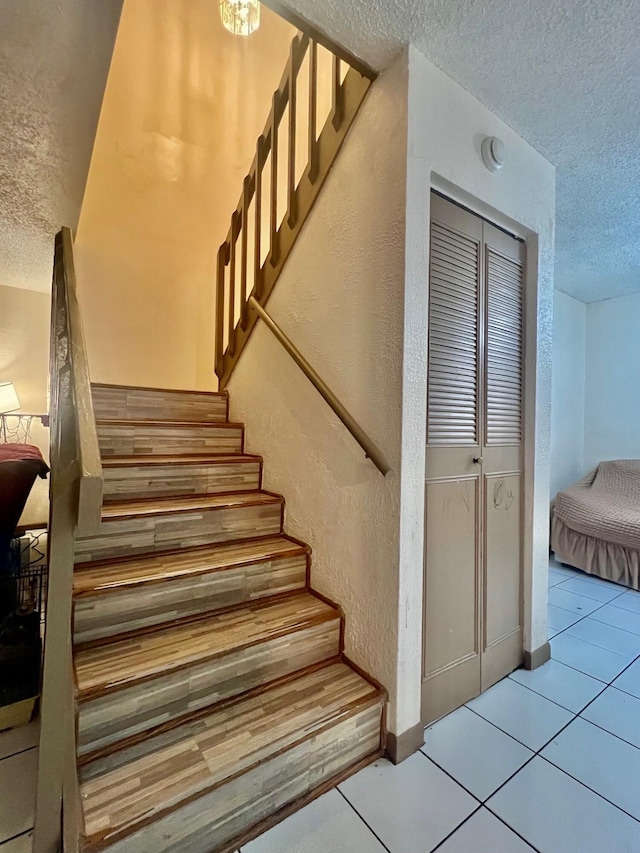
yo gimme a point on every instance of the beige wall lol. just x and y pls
(340, 299)
(24, 360)
(184, 105)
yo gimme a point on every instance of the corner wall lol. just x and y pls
(568, 391)
(340, 300)
(612, 412)
(185, 103)
(446, 128)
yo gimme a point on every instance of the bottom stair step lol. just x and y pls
(198, 787)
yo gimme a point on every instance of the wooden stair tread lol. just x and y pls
(141, 461)
(123, 790)
(160, 506)
(111, 386)
(108, 575)
(160, 424)
(113, 665)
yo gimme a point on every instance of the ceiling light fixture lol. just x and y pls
(240, 17)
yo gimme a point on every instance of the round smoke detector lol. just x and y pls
(493, 153)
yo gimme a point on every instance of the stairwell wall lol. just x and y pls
(340, 300)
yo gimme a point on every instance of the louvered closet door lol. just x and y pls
(472, 526)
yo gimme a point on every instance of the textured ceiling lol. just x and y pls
(565, 74)
(54, 56)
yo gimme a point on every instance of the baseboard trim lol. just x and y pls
(399, 747)
(532, 660)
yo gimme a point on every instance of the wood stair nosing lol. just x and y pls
(106, 576)
(201, 615)
(141, 594)
(163, 524)
(128, 401)
(118, 437)
(139, 461)
(229, 702)
(281, 718)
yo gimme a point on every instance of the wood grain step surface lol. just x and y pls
(281, 729)
(135, 684)
(126, 402)
(130, 477)
(168, 438)
(116, 597)
(161, 524)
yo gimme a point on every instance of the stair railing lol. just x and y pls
(294, 154)
(75, 507)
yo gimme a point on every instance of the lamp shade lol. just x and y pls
(8, 398)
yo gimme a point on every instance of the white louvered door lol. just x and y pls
(473, 530)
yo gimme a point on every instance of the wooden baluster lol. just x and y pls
(231, 343)
(223, 254)
(338, 95)
(244, 228)
(275, 241)
(260, 161)
(313, 111)
(292, 206)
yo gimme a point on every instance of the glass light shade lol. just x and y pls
(8, 398)
(240, 17)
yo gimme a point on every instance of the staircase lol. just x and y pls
(211, 689)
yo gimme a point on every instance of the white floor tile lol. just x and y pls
(556, 814)
(18, 786)
(484, 833)
(556, 577)
(560, 619)
(619, 618)
(629, 601)
(618, 713)
(599, 590)
(19, 739)
(411, 807)
(477, 754)
(21, 844)
(601, 761)
(327, 825)
(521, 713)
(566, 571)
(569, 688)
(586, 657)
(607, 636)
(572, 602)
(629, 681)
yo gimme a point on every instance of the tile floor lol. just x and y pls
(546, 760)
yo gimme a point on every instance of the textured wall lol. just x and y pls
(340, 300)
(446, 127)
(568, 391)
(612, 413)
(24, 360)
(562, 75)
(185, 103)
(54, 59)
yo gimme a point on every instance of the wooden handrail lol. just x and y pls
(277, 216)
(371, 451)
(75, 507)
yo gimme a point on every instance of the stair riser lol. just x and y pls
(210, 822)
(162, 440)
(163, 481)
(108, 719)
(142, 404)
(118, 611)
(164, 532)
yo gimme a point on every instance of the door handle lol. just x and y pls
(477, 460)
